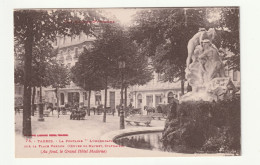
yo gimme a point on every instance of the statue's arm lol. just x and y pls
(188, 60)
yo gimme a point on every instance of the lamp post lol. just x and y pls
(121, 67)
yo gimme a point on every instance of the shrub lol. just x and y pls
(204, 126)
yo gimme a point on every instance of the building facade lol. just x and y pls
(151, 94)
(69, 49)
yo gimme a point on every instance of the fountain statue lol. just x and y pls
(206, 71)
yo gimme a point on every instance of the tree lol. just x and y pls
(45, 70)
(85, 75)
(42, 53)
(228, 34)
(115, 45)
(33, 26)
(163, 35)
(98, 68)
(57, 77)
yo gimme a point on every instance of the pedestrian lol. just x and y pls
(58, 109)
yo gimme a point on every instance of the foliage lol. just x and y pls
(205, 126)
(163, 34)
(33, 26)
(43, 57)
(102, 61)
(230, 39)
(57, 76)
(84, 74)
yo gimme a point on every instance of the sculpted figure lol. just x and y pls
(211, 63)
(194, 73)
(196, 40)
(205, 70)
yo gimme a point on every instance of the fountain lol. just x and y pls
(207, 119)
(206, 72)
(201, 122)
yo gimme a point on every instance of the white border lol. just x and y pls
(250, 14)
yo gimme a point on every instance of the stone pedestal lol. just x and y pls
(217, 89)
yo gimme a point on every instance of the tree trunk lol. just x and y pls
(41, 106)
(121, 107)
(57, 98)
(40, 94)
(105, 107)
(33, 98)
(27, 127)
(122, 95)
(125, 96)
(89, 95)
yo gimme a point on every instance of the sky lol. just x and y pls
(126, 15)
(123, 15)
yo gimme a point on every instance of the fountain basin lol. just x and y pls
(130, 151)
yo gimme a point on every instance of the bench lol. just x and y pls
(157, 115)
(46, 113)
(137, 119)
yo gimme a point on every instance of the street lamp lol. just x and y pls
(121, 67)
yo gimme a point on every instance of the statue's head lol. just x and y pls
(205, 43)
(211, 33)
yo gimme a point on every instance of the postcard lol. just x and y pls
(127, 82)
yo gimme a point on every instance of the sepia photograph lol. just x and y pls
(127, 82)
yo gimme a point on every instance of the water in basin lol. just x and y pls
(148, 141)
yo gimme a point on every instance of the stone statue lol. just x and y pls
(206, 71)
(212, 65)
(196, 40)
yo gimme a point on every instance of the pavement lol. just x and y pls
(91, 128)
(64, 138)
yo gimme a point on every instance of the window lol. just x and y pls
(139, 101)
(62, 99)
(159, 77)
(98, 98)
(149, 101)
(85, 95)
(170, 97)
